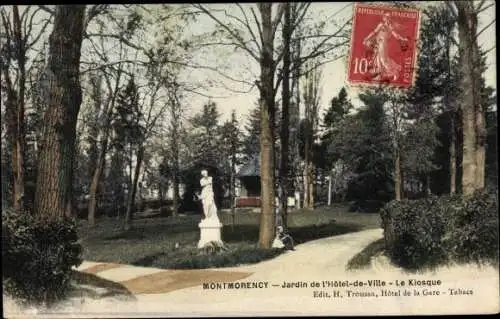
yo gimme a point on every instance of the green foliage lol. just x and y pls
(251, 141)
(418, 147)
(128, 117)
(364, 142)
(433, 231)
(474, 235)
(340, 106)
(206, 135)
(37, 256)
(223, 258)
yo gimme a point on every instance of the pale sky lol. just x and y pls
(238, 65)
(334, 74)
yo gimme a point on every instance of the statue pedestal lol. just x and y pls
(209, 231)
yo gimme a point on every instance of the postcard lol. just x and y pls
(249, 159)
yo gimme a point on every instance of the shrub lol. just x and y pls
(474, 230)
(434, 231)
(38, 254)
(224, 258)
(413, 232)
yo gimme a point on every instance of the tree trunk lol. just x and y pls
(305, 182)
(452, 111)
(175, 195)
(175, 159)
(295, 118)
(466, 38)
(133, 189)
(397, 176)
(312, 185)
(232, 188)
(330, 177)
(96, 178)
(479, 112)
(453, 154)
(55, 163)
(15, 105)
(285, 120)
(175, 178)
(266, 230)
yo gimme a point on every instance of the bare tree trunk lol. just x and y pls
(330, 188)
(479, 114)
(295, 118)
(466, 27)
(55, 164)
(232, 187)
(15, 50)
(133, 189)
(175, 196)
(312, 183)
(285, 119)
(175, 122)
(266, 231)
(452, 111)
(305, 182)
(453, 154)
(20, 131)
(96, 177)
(175, 174)
(397, 176)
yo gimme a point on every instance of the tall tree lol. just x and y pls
(63, 98)
(261, 47)
(105, 130)
(340, 106)
(231, 143)
(206, 133)
(251, 140)
(284, 181)
(17, 43)
(175, 111)
(472, 110)
(311, 97)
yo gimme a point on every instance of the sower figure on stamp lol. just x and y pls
(383, 66)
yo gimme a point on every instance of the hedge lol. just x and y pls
(38, 254)
(433, 231)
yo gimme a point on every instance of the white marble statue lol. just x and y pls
(207, 197)
(210, 226)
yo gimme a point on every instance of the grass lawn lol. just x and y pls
(363, 258)
(152, 241)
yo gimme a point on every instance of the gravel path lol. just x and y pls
(322, 261)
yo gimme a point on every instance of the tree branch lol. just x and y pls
(93, 12)
(42, 31)
(486, 27)
(490, 49)
(47, 9)
(257, 23)
(231, 32)
(277, 18)
(479, 10)
(247, 25)
(480, 5)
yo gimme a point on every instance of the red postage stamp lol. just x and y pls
(383, 46)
